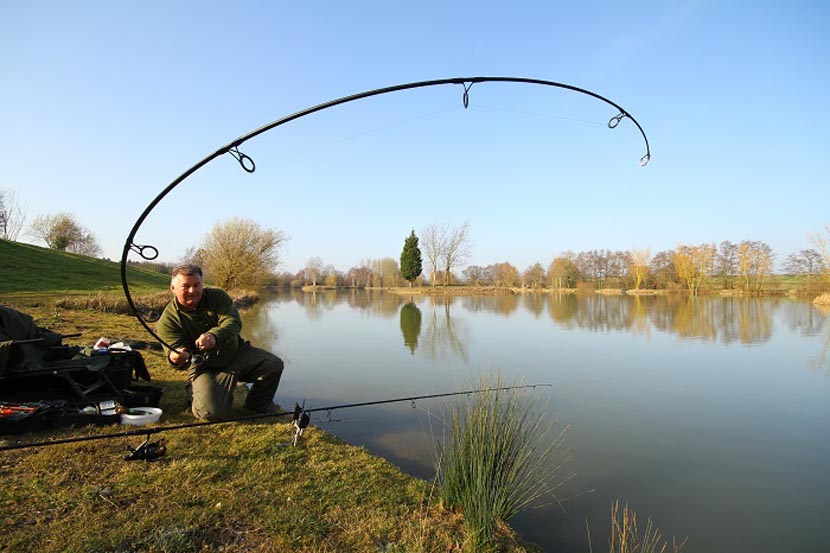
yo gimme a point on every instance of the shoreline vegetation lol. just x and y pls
(467, 290)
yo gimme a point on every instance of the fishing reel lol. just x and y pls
(197, 360)
(147, 451)
(300, 419)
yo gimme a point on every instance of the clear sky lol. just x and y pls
(103, 104)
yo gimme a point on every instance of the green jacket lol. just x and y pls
(215, 314)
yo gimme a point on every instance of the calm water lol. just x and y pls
(712, 416)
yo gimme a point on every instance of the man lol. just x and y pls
(204, 321)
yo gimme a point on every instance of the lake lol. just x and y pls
(710, 415)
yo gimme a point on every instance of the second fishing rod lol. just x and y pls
(300, 416)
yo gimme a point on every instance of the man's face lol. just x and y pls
(187, 289)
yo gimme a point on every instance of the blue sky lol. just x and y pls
(103, 104)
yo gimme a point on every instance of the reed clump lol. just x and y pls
(823, 299)
(626, 536)
(500, 453)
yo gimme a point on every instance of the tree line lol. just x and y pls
(239, 253)
(746, 267)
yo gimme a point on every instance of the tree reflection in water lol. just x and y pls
(822, 359)
(744, 320)
(259, 327)
(445, 337)
(411, 326)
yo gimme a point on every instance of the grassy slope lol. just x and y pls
(28, 269)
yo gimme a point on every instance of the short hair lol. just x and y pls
(188, 269)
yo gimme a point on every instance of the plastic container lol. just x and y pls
(140, 416)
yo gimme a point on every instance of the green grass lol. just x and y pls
(26, 269)
(226, 487)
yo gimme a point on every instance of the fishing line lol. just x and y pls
(346, 139)
(364, 133)
(536, 114)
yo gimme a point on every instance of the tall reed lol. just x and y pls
(499, 454)
(626, 536)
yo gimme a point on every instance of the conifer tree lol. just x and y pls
(411, 266)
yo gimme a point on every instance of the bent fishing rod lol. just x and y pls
(150, 252)
(149, 451)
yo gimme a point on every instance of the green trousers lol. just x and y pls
(211, 390)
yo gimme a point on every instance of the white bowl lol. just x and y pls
(139, 416)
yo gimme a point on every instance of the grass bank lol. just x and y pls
(27, 270)
(228, 487)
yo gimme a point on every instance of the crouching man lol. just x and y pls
(204, 321)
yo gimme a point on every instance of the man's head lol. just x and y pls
(186, 285)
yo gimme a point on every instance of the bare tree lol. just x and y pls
(314, 270)
(755, 263)
(193, 256)
(662, 269)
(456, 249)
(240, 253)
(693, 264)
(62, 232)
(822, 242)
(390, 273)
(808, 263)
(360, 277)
(726, 263)
(473, 275)
(432, 245)
(506, 275)
(12, 219)
(534, 276)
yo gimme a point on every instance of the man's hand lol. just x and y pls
(206, 341)
(179, 357)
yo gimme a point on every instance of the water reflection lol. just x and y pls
(743, 320)
(317, 302)
(819, 319)
(445, 337)
(806, 318)
(411, 326)
(259, 326)
(500, 304)
(727, 320)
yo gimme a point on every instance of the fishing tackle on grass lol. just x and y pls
(150, 252)
(300, 416)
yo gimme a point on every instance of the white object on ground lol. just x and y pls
(139, 416)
